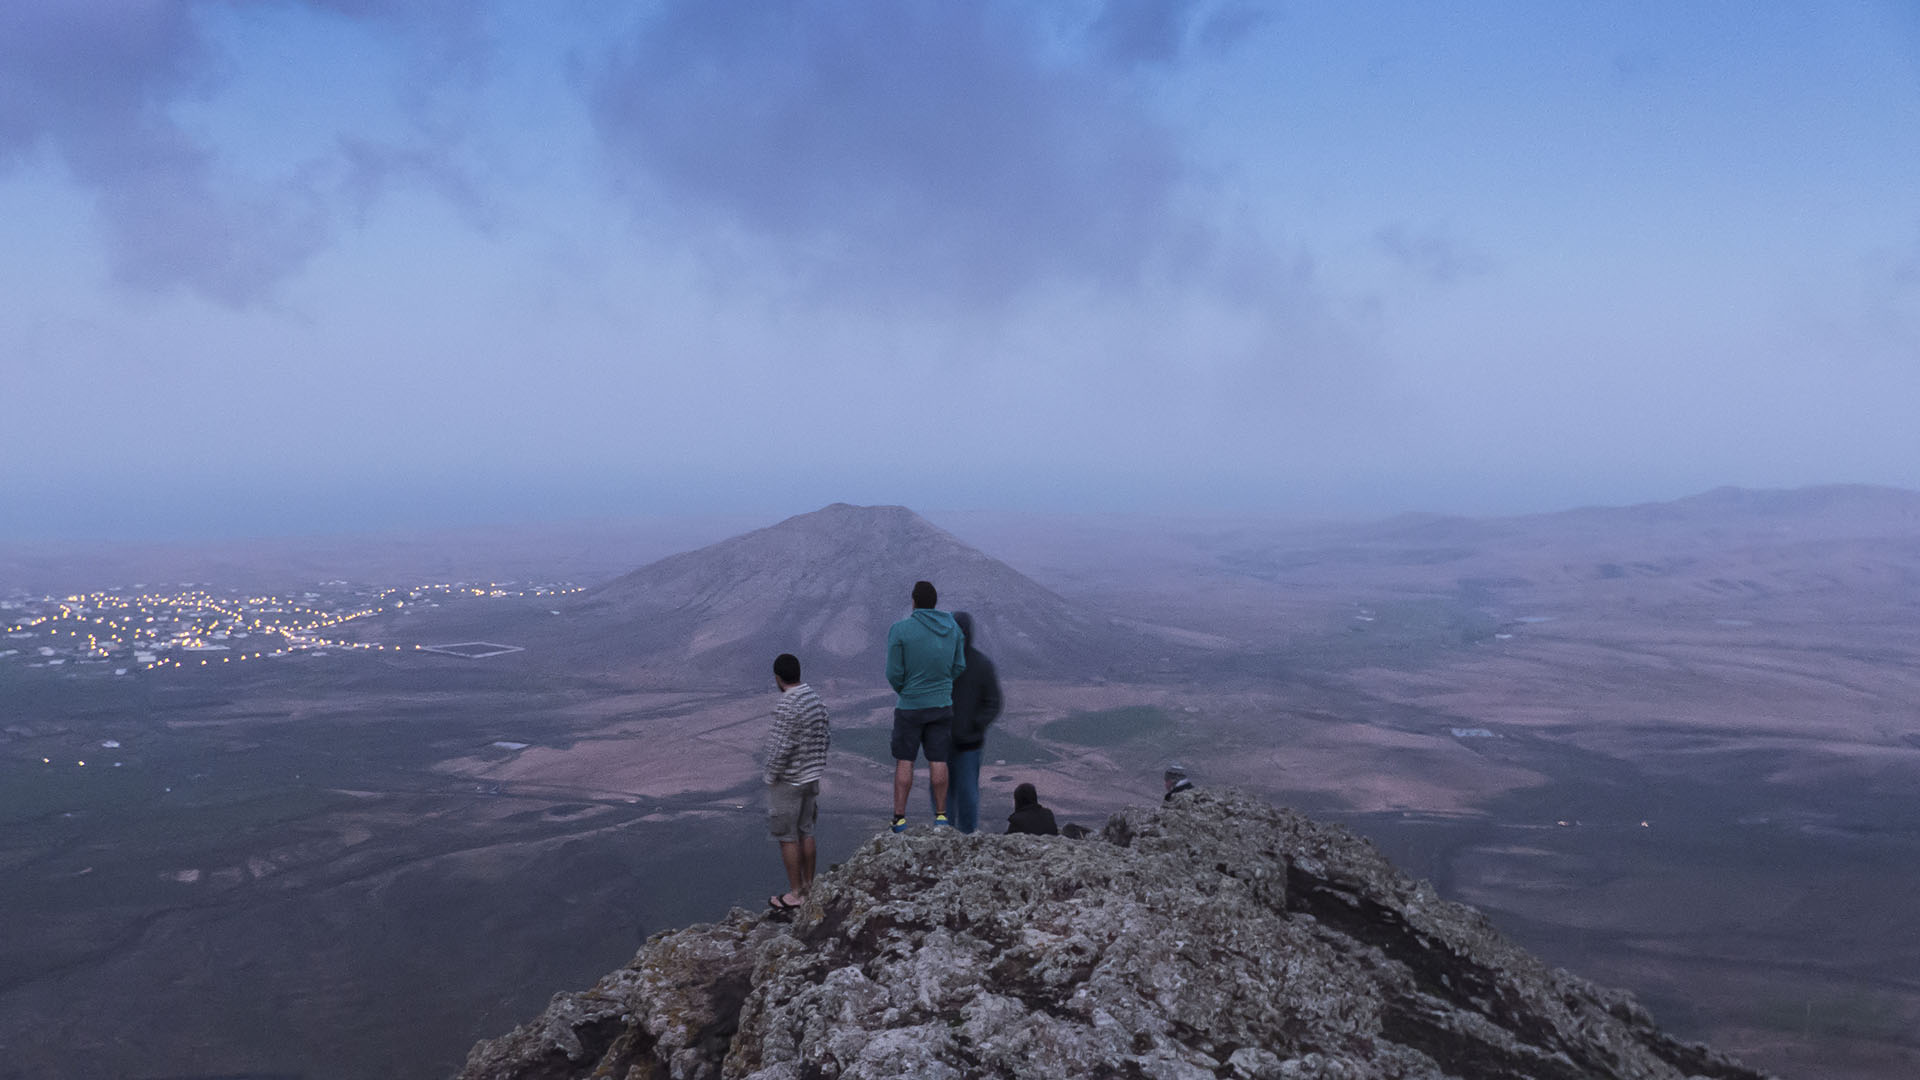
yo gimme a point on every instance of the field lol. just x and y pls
(242, 896)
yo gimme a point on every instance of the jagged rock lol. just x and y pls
(1214, 936)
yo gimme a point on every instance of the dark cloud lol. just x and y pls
(1228, 24)
(981, 170)
(1431, 254)
(453, 53)
(91, 82)
(89, 64)
(1131, 33)
(452, 50)
(171, 224)
(949, 149)
(372, 167)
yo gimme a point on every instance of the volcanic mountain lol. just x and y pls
(827, 585)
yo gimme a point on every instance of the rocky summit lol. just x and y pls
(1215, 936)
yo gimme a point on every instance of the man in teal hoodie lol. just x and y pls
(925, 653)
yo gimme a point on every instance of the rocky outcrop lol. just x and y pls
(1212, 937)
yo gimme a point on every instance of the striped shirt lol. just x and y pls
(797, 745)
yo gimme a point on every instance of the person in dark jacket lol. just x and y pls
(1028, 815)
(1177, 781)
(976, 704)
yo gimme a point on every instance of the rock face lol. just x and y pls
(1212, 937)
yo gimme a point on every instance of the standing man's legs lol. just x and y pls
(937, 778)
(790, 855)
(905, 745)
(964, 786)
(809, 814)
(939, 783)
(902, 786)
(951, 807)
(791, 813)
(937, 734)
(912, 729)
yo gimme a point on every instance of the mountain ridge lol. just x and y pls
(1213, 936)
(1724, 505)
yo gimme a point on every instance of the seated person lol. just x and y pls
(1176, 780)
(1028, 815)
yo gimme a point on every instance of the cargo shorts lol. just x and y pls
(792, 809)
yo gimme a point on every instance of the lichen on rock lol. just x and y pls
(1214, 936)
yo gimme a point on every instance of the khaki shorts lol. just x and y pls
(792, 810)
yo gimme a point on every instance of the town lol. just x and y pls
(189, 625)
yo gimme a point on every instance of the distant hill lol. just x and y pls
(826, 586)
(1722, 519)
(1855, 510)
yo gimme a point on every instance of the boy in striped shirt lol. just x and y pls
(796, 756)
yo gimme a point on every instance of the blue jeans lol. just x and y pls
(963, 789)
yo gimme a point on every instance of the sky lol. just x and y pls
(279, 266)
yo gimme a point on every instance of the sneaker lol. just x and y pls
(940, 822)
(900, 823)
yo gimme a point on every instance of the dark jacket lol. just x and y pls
(1183, 784)
(976, 693)
(1033, 818)
(1028, 815)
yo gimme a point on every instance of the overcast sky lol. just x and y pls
(339, 264)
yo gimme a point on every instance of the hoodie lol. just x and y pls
(1029, 816)
(925, 653)
(976, 693)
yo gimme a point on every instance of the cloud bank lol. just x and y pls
(973, 151)
(93, 84)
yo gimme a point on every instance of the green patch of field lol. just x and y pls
(873, 743)
(1014, 749)
(1407, 633)
(1109, 727)
(866, 742)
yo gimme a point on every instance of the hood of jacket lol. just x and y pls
(964, 621)
(939, 623)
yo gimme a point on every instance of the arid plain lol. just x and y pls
(1671, 747)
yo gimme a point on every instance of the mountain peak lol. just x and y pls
(876, 510)
(826, 585)
(844, 512)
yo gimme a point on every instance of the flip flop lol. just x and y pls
(779, 903)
